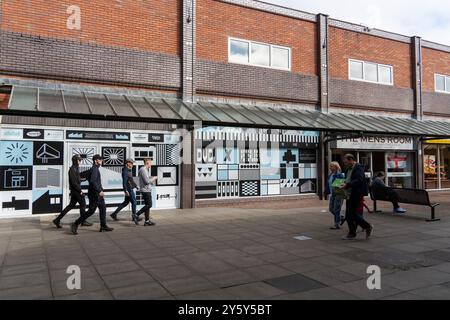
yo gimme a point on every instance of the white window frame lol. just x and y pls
(446, 90)
(271, 46)
(364, 72)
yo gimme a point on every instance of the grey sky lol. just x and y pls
(428, 19)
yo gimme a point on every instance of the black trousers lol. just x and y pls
(75, 198)
(353, 219)
(95, 201)
(148, 204)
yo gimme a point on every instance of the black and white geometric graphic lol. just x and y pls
(167, 176)
(16, 153)
(250, 188)
(173, 154)
(160, 159)
(16, 204)
(48, 153)
(142, 151)
(48, 203)
(249, 156)
(290, 186)
(86, 154)
(48, 177)
(205, 190)
(290, 183)
(308, 186)
(205, 172)
(114, 156)
(249, 172)
(16, 178)
(228, 189)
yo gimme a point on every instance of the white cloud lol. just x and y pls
(428, 19)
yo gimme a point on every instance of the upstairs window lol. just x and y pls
(370, 72)
(442, 83)
(259, 54)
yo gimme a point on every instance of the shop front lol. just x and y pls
(436, 159)
(395, 156)
(233, 163)
(34, 162)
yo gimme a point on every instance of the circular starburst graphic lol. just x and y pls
(86, 155)
(114, 156)
(17, 153)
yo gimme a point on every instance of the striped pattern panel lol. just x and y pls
(252, 136)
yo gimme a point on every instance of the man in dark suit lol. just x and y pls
(76, 194)
(96, 197)
(356, 185)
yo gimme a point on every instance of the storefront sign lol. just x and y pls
(444, 141)
(11, 134)
(139, 137)
(153, 137)
(377, 143)
(54, 135)
(33, 134)
(95, 135)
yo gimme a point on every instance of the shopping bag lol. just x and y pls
(342, 193)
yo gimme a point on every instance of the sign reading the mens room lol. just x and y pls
(377, 143)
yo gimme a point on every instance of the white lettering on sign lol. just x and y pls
(74, 20)
(366, 143)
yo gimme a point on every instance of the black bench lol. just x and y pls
(407, 196)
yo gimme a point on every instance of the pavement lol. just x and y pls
(230, 253)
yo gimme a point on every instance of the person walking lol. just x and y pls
(378, 185)
(335, 204)
(128, 188)
(76, 194)
(356, 186)
(96, 197)
(146, 181)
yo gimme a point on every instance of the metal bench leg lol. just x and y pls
(375, 207)
(433, 216)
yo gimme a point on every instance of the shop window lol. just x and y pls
(431, 167)
(370, 72)
(442, 83)
(259, 54)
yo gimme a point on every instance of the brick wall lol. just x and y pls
(434, 61)
(216, 21)
(34, 56)
(149, 25)
(249, 81)
(344, 45)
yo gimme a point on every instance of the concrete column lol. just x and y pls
(188, 45)
(417, 77)
(187, 183)
(322, 25)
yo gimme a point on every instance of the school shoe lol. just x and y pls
(106, 229)
(400, 211)
(369, 232)
(349, 237)
(74, 228)
(57, 223)
(87, 224)
(149, 223)
(114, 216)
(335, 228)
